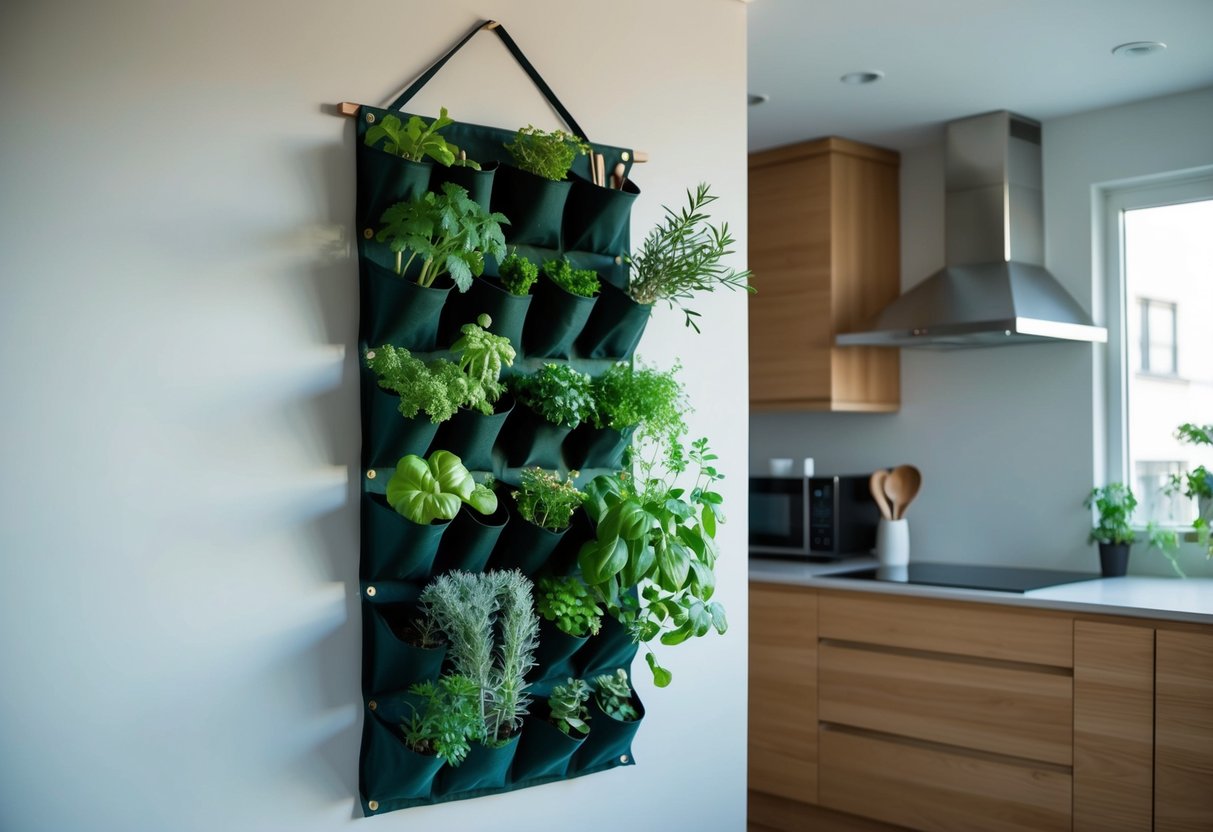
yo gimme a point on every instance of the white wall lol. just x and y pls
(179, 640)
(1005, 437)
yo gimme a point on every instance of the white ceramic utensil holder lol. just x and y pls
(893, 542)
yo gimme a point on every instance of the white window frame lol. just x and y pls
(1115, 199)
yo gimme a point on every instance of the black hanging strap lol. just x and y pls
(518, 56)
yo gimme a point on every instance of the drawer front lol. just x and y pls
(1002, 710)
(939, 791)
(783, 692)
(985, 631)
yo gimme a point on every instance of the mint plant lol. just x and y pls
(518, 274)
(451, 233)
(557, 392)
(681, 257)
(549, 155)
(546, 500)
(568, 603)
(447, 720)
(567, 707)
(614, 696)
(581, 282)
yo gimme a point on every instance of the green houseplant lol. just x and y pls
(581, 282)
(560, 394)
(546, 502)
(518, 274)
(415, 140)
(567, 603)
(548, 744)
(451, 233)
(614, 695)
(631, 403)
(425, 490)
(545, 154)
(1114, 504)
(567, 707)
(445, 718)
(682, 256)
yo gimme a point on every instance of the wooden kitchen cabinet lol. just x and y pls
(1183, 731)
(783, 692)
(824, 247)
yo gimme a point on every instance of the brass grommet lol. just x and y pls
(624, 155)
(618, 259)
(370, 119)
(370, 590)
(370, 475)
(373, 805)
(370, 354)
(623, 758)
(368, 233)
(373, 705)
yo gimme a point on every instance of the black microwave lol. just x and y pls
(812, 517)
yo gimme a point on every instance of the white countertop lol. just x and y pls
(1173, 599)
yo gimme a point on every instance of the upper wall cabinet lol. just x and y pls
(824, 247)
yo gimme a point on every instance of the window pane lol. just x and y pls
(1169, 267)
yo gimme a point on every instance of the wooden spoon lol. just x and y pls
(902, 487)
(877, 484)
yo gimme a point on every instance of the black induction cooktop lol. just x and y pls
(997, 578)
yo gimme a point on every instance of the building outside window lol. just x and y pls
(1159, 351)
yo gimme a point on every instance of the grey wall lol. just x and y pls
(1006, 438)
(179, 638)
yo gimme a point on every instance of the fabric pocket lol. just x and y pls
(544, 750)
(398, 311)
(609, 740)
(471, 539)
(385, 179)
(485, 767)
(615, 325)
(533, 205)
(389, 769)
(596, 218)
(394, 547)
(471, 435)
(387, 435)
(591, 447)
(555, 320)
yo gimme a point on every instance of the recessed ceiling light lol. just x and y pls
(870, 76)
(1139, 48)
(758, 98)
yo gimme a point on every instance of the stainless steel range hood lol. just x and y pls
(994, 290)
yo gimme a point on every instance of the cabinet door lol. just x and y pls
(1113, 727)
(1183, 732)
(783, 692)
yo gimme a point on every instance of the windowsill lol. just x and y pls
(1187, 534)
(1171, 378)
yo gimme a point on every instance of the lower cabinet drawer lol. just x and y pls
(909, 784)
(1013, 711)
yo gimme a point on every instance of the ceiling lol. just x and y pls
(945, 59)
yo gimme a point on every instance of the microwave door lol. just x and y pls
(779, 516)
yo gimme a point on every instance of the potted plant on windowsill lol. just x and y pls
(548, 744)
(564, 299)
(448, 237)
(555, 399)
(1197, 484)
(1114, 504)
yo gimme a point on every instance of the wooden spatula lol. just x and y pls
(902, 487)
(877, 485)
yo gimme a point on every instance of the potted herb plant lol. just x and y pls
(548, 744)
(563, 302)
(626, 399)
(555, 399)
(569, 615)
(1197, 484)
(481, 358)
(426, 494)
(1114, 504)
(533, 192)
(447, 235)
(505, 299)
(544, 503)
(615, 714)
(395, 160)
(682, 257)
(490, 623)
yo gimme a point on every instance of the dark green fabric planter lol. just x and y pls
(525, 546)
(397, 311)
(393, 664)
(483, 768)
(555, 320)
(394, 547)
(530, 439)
(611, 649)
(609, 739)
(389, 769)
(556, 648)
(487, 297)
(533, 205)
(384, 180)
(478, 183)
(544, 750)
(615, 325)
(596, 218)
(471, 435)
(591, 447)
(471, 539)
(387, 435)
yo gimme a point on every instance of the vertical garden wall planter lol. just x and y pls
(399, 557)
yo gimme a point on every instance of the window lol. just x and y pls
(1160, 302)
(1158, 348)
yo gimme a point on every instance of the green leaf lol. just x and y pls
(601, 560)
(718, 618)
(673, 565)
(661, 676)
(452, 476)
(677, 636)
(415, 491)
(483, 499)
(640, 562)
